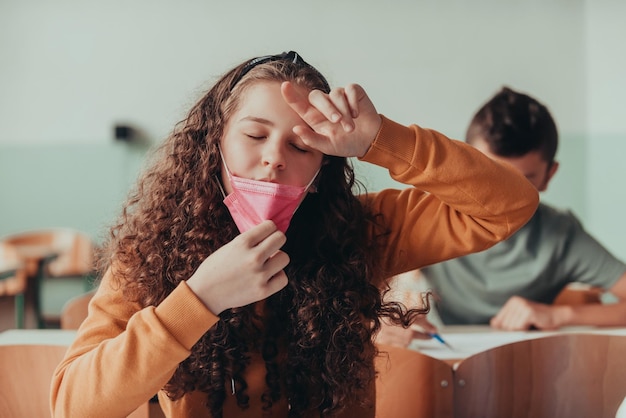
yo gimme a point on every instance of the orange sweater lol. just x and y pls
(460, 202)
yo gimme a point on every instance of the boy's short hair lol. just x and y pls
(514, 124)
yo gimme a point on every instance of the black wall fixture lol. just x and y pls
(124, 133)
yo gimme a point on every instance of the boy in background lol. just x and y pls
(512, 285)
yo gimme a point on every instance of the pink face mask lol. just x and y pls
(252, 201)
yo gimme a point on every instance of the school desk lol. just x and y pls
(37, 337)
(7, 269)
(28, 358)
(574, 372)
(12, 285)
(468, 340)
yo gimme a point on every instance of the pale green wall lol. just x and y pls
(83, 185)
(68, 185)
(606, 190)
(71, 69)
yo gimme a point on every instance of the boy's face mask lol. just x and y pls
(252, 201)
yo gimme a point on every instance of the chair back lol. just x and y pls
(567, 375)
(74, 249)
(59, 264)
(25, 379)
(15, 282)
(412, 385)
(28, 245)
(76, 254)
(75, 310)
(27, 372)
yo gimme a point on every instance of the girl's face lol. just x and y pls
(259, 143)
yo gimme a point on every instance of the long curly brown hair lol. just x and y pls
(315, 335)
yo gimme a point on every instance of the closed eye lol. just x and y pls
(299, 148)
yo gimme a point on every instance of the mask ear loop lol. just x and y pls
(219, 182)
(306, 188)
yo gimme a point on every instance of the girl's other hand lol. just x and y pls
(342, 123)
(246, 270)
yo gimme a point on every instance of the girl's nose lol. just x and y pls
(274, 157)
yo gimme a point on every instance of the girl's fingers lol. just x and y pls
(354, 93)
(256, 235)
(299, 102)
(318, 108)
(276, 263)
(340, 101)
(334, 106)
(277, 282)
(265, 238)
(294, 98)
(271, 244)
(313, 139)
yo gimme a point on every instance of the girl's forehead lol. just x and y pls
(251, 93)
(264, 101)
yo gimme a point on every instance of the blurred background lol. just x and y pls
(71, 71)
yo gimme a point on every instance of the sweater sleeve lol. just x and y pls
(461, 200)
(123, 354)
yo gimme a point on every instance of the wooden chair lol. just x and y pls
(566, 375)
(13, 280)
(66, 276)
(59, 264)
(75, 310)
(412, 385)
(25, 380)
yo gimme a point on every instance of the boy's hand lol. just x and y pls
(342, 123)
(522, 314)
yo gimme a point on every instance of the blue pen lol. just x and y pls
(441, 340)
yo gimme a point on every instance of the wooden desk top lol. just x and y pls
(35, 251)
(465, 340)
(8, 268)
(468, 340)
(37, 336)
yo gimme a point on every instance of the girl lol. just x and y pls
(220, 301)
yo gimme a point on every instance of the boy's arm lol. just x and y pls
(612, 314)
(519, 313)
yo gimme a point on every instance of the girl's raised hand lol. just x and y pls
(246, 270)
(342, 123)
